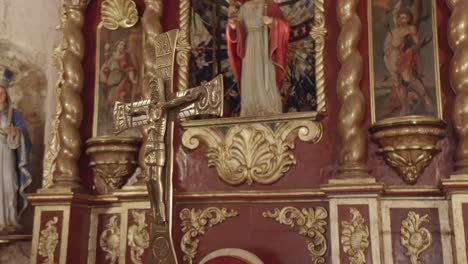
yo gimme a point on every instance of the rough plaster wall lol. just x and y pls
(28, 32)
(28, 36)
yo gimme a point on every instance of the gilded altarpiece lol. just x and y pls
(270, 185)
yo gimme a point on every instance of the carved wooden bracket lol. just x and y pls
(251, 151)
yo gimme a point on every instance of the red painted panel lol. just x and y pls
(344, 215)
(78, 236)
(47, 216)
(271, 241)
(433, 255)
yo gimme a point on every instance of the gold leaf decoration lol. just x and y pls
(138, 237)
(252, 152)
(415, 238)
(48, 241)
(194, 223)
(311, 223)
(110, 240)
(118, 13)
(355, 237)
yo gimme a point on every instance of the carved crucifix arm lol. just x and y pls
(191, 96)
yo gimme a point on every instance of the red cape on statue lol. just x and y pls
(278, 44)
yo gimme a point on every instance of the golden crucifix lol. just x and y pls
(153, 115)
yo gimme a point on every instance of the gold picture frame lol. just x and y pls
(400, 65)
(118, 63)
(317, 32)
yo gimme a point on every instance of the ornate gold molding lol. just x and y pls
(458, 74)
(113, 159)
(408, 146)
(138, 237)
(355, 237)
(109, 240)
(415, 238)
(194, 223)
(252, 152)
(318, 33)
(118, 13)
(183, 44)
(311, 223)
(48, 241)
(352, 155)
(60, 162)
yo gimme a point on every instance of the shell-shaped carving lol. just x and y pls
(118, 13)
(252, 152)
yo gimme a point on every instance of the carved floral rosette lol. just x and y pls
(355, 237)
(414, 237)
(48, 241)
(408, 145)
(256, 152)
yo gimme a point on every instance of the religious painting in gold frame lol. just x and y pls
(203, 53)
(118, 63)
(403, 59)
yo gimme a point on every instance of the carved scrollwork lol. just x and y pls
(118, 13)
(311, 223)
(415, 238)
(110, 239)
(194, 223)
(252, 152)
(48, 241)
(355, 237)
(138, 237)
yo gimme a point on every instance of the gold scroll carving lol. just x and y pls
(48, 241)
(138, 237)
(355, 237)
(458, 74)
(118, 13)
(352, 155)
(109, 240)
(60, 162)
(311, 223)
(415, 238)
(252, 152)
(194, 224)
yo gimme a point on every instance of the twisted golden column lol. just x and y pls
(458, 41)
(352, 155)
(60, 164)
(183, 45)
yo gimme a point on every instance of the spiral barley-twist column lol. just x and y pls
(458, 41)
(352, 155)
(61, 168)
(183, 45)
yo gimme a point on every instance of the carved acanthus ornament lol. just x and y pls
(311, 223)
(48, 241)
(118, 13)
(252, 152)
(138, 237)
(110, 240)
(355, 237)
(415, 238)
(408, 146)
(60, 162)
(194, 224)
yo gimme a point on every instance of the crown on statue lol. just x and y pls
(6, 76)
